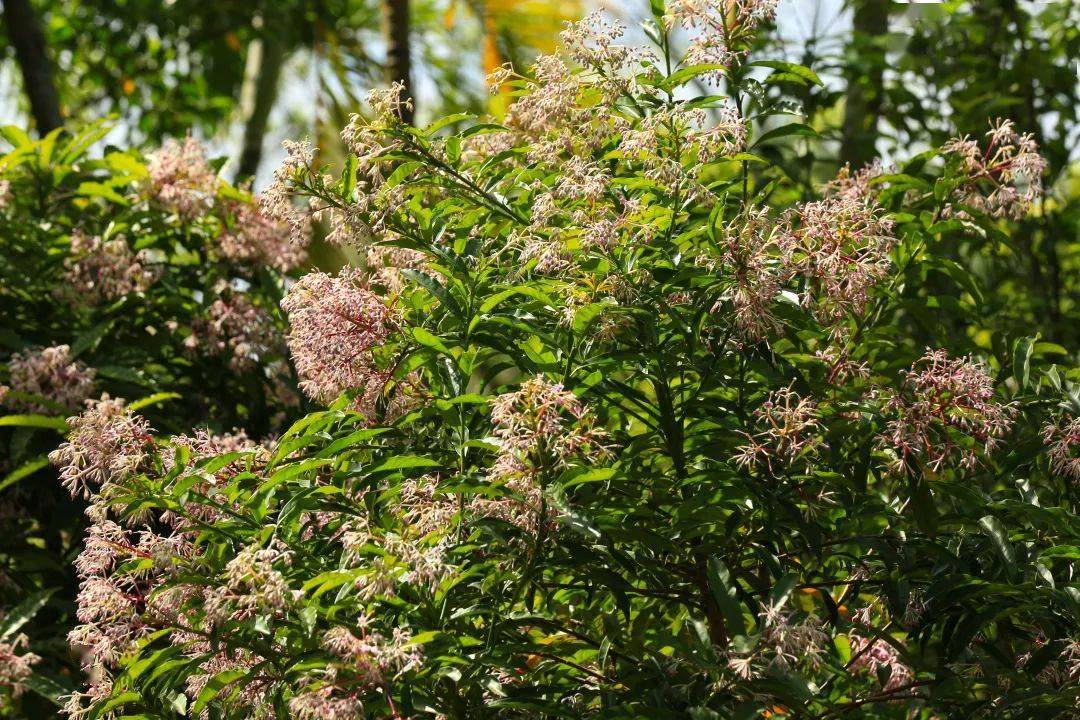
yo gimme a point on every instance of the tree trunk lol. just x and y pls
(862, 108)
(24, 32)
(257, 96)
(398, 60)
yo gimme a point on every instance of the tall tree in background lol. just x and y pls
(865, 75)
(262, 74)
(398, 50)
(25, 35)
(1000, 58)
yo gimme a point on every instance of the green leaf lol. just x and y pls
(788, 68)
(723, 591)
(749, 157)
(688, 73)
(1022, 350)
(447, 120)
(782, 590)
(17, 137)
(427, 339)
(489, 304)
(155, 399)
(788, 130)
(997, 532)
(38, 421)
(585, 314)
(214, 687)
(23, 471)
(47, 687)
(404, 462)
(24, 612)
(96, 189)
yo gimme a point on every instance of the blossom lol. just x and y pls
(591, 42)
(1063, 442)
(540, 428)
(15, 667)
(423, 507)
(105, 443)
(384, 264)
(750, 247)
(181, 179)
(541, 425)
(497, 78)
(387, 103)
(941, 398)
(250, 235)
(1002, 180)
(841, 365)
(783, 643)
(233, 323)
(98, 269)
(790, 641)
(335, 326)
(78, 705)
(791, 429)
(856, 185)
(276, 201)
(875, 655)
(323, 704)
(252, 583)
(109, 620)
(249, 697)
(841, 245)
(50, 373)
(5, 194)
(721, 28)
(372, 657)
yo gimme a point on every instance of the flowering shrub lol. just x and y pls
(609, 433)
(125, 278)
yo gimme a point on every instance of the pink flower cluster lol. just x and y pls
(373, 658)
(943, 397)
(117, 607)
(252, 584)
(1005, 178)
(276, 201)
(321, 702)
(838, 246)
(721, 27)
(751, 249)
(540, 428)
(111, 606)
(98, 270)
(1063, 447)
(180, 179)
(784, 642)
(105, 443)
(335, 326)
(841, 245)
(250, 235)
(16, 666)
(791, 430)
(873, 655)
(233, 324)
(384, 264)
(366, 660)
(51, 374)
